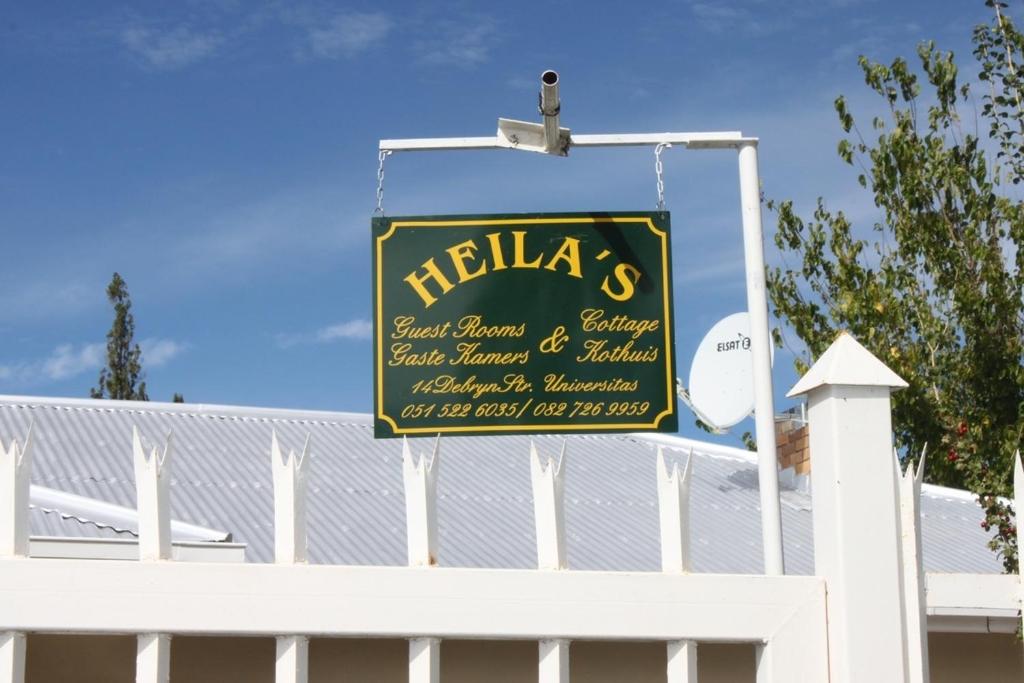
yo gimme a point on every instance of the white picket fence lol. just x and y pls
(863, 618)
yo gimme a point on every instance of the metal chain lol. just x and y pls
(381, 156)
(661, 147)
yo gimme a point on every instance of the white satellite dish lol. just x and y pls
(722, 375)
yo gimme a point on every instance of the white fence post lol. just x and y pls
(292, 662)
(549, 520)
(913, 571)
(674, 514)
(152, 487)
(420, 478)
(153, 658)
(15, 477)
(856, 512)
(424, 660)
(12, 657)
(290, 472)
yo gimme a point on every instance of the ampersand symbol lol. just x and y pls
(556, 342)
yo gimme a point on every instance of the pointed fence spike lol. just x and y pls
(1018, 470)
(674, 516)
(420, 482)
(549, 510)
(275, 447)
(26, 448)
(289, 475)
(561, 456)
(900, 471)
(663, 473)
(301, 464)
(436, 452)
(15, 482)
(921, 461)
(152, 488)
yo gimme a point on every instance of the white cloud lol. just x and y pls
(158, 352)
(67, 361)
(70, 360)
(462, 44)
(348, 34)
(351, 329)
(173, 49)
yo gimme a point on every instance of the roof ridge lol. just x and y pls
(207, 410)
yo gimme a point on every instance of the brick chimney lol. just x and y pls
(793, 443)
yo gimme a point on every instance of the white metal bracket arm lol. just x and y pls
(712, 140)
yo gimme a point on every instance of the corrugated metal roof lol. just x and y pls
(221, 478)
(54, 523)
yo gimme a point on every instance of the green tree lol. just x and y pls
(122, 377)
(935, 290)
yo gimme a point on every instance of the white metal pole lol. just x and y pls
(760, 341)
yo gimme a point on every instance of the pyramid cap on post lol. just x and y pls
(847, 363)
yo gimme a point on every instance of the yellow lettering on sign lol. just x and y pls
(419, 282)
(461, 252)
(627, 276)
(519, 251)
(468, 263)
(496, 253)
(570, 253)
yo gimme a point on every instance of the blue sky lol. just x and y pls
(222, 157)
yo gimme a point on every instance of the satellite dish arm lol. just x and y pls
(684, 396)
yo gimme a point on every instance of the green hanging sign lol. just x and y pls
(523, 323)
